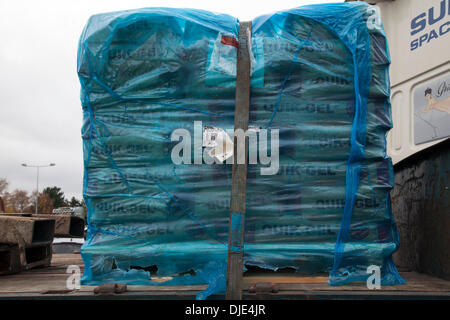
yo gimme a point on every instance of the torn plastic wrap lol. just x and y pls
(319, 75)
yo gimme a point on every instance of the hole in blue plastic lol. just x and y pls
(251, 270)
(153, 269)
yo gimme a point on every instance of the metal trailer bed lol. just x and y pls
(50, 283)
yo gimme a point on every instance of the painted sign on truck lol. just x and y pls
(432, 110)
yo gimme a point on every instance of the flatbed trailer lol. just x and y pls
(50, 283)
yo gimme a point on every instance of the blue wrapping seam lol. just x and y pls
(357, 150)
(352, 174)
(88, 158)
(185, 210)
(387, 110)
(87, 270)
(91, 118)
(176, 176)
(294, 60)
(392, 277)
(216, 281)
(352, 181)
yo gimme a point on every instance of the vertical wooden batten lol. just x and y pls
(239, 172)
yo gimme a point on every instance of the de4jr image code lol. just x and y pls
(232, 310)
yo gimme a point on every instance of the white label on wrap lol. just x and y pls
(220, 142)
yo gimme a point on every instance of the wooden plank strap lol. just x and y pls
(239, 173)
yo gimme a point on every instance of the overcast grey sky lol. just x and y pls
(40, 111)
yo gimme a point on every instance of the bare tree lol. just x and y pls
(17, 201)
(3, 185)
(2, 205)
(45, 204)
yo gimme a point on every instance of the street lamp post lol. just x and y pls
(37, 180)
